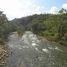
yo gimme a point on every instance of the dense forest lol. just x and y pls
(50, 26)
(6, 27)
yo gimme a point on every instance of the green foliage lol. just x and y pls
(20, 31)
(2, 42)
(53, 27)
(5, 28)
(62, 11)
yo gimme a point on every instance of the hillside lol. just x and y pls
(53, 27)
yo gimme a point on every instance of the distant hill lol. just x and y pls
(51, 26)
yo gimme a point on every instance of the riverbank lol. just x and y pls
(3, 55)
(47, 40)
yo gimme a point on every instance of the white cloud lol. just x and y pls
(19, 8)
(53, 10)
(64, 6)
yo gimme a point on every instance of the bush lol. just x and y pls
(2, 41)
(62, 42)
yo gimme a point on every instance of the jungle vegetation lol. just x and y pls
(50, 26)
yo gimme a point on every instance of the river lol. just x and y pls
(30, 51)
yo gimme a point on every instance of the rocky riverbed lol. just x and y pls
(30, 50)
(3, 55)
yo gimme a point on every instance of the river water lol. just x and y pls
(30, 51)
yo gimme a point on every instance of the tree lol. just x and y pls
(62, 11)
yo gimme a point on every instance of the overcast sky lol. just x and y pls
(20, 8)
